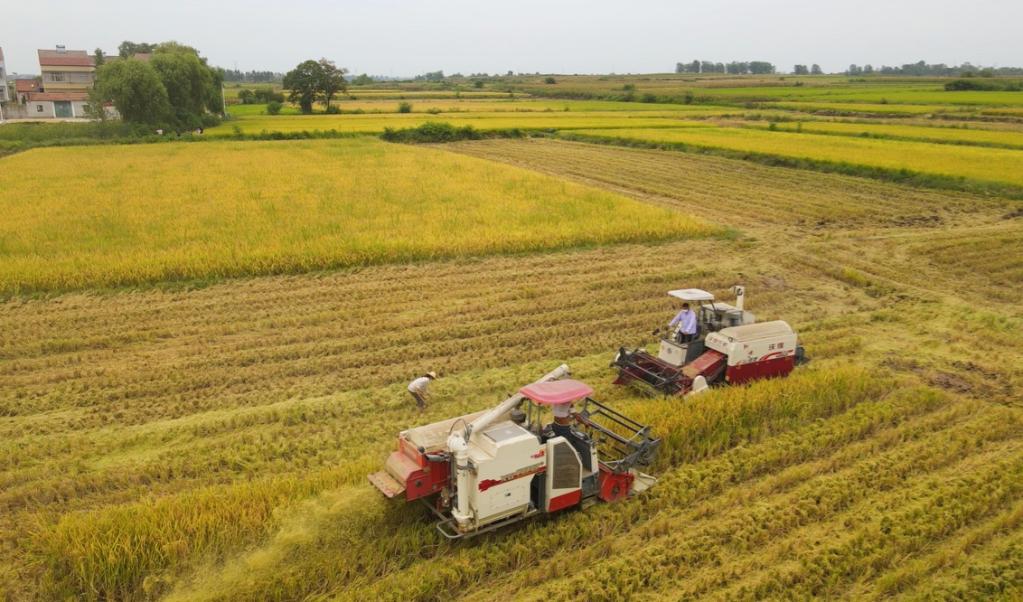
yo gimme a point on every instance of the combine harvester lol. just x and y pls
(482, 471)
(730, 347)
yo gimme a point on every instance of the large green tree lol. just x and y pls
(188, 89)
(193, 88)
(303, 84)
(135, 89)
(332, 81)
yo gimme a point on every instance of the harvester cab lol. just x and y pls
(711, 316)
(729, 347)
(484, 470)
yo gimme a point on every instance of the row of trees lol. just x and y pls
(259, 96)
(313, 81)
(814, 69)
(174, 88)
(734, 68)
(937, 69)
(252, 77)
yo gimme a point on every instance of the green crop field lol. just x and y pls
(205, 344)
(863, 108)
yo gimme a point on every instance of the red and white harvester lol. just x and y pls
(730, 347)
(488, 469)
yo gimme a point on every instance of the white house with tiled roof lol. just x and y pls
(67, 77)
(5, 96)
(61, 92)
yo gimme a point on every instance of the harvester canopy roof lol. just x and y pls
(691, 294)
(556, 392)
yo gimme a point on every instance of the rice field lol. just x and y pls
(504, 105)
(204, 349)
(485, 121)
(862, 108)
(949, 135)
(996, 165)
(720, 88)
(135, 214)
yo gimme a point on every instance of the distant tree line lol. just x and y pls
(814, 69)
(938, 69)
(127, 49)
(733, 68)
(252, 77)
(259, 96)
(431, 76)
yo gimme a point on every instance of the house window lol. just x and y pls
(39, 108)
(56, 76)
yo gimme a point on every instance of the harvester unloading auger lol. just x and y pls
(729, 346)
(482, 471)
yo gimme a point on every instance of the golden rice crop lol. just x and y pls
(955, 135)
(124, 215)
(495, 120)
(495, 105)
(982, 164)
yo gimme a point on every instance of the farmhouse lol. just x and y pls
(61, 92)
(4, 97)
(67, 77)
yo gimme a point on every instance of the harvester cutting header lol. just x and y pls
(481, 471)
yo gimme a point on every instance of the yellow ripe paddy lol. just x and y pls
(997, 165)
(132, 214)
(502, 105)
(497, 120)
(955, 135)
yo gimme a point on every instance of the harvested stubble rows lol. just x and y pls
(137, 214)
(246, 414)
(747, 195)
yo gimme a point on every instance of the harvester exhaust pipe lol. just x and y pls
(740, 296)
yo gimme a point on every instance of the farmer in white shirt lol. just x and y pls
(418, 388)
(687, 321)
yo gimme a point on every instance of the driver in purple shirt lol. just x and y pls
(687, 321)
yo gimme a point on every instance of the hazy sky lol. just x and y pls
(402, 37)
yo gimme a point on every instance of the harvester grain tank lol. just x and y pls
(729, 347)
(481, 471)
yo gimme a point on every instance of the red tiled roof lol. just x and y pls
(58, 96)
(25, 85)
(68, 58)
